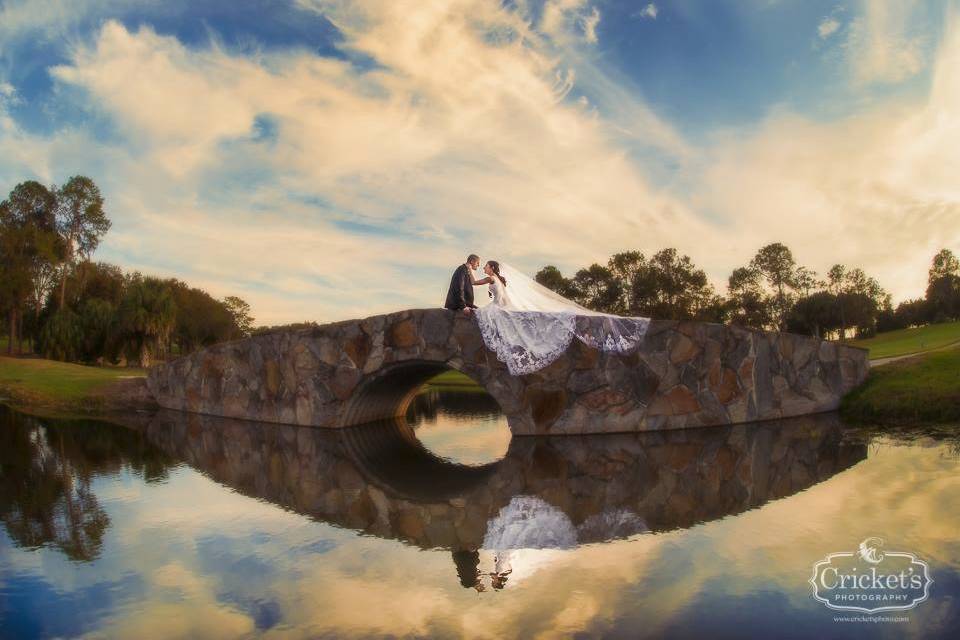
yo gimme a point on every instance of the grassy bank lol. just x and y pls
(35, 383)
(453, 381)
(906, 341)
(922, 389)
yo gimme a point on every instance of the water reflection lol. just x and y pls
(381, 480)
(386, 483)
(366, 531)
(46, 470)
(464, 426)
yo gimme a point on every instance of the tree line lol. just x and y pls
(771, 292)
(68, 307)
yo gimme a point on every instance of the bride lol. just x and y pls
(529, 326)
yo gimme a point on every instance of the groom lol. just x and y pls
(460, 293)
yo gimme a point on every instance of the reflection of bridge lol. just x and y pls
(378, 479)
(682, 375)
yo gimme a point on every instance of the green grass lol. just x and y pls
(38, 381)
(453, 381)
(4, 340)
(906, 341)
(922, 389)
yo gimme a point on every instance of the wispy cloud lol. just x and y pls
(881, 46)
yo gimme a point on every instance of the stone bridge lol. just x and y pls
(683, 374)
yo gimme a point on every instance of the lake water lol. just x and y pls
(188, 526)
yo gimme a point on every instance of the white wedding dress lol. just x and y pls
(529, 326)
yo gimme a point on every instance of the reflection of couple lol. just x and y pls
(529, 533)
(531, 326)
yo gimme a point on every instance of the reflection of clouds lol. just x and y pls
(363, 585)
(166, 617)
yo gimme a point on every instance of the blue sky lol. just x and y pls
(327, 159)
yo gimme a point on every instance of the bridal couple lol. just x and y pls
(529, 326)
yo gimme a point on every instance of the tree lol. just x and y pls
(81, 223)
(670, 286)
(746, 301)
(943, 287)
(28, 250)
(240, 312)
(146, 318)
(625, 266)
(836, 279)
(596, 288)
(552, 279)
(201, 319)
(774, 263)
(859, 299)
(911, 313)
(815, 314)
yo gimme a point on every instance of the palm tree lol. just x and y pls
(146, 318)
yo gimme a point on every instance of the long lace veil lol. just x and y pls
(536, 325)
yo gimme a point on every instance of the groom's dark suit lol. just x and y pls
(460, 293)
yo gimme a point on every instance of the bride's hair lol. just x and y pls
(495, 266)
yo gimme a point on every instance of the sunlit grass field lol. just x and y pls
(924, 388)
(47, 381)
(905, 341)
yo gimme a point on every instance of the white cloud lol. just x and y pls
(827, 27)
(471, 138)
(650, 11)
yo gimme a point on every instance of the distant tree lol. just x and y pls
(815, 314)
(943, 287)
(552, 279)
(201, 320)
(670, 286)
(859, 298)
(81, 223)
(596, 288)
(277, 328)
(625, 266)
(836, 281)
(806, 281)
(911, 313)
(746, 300)
(146, 319)
(775, 265)
(240, 312)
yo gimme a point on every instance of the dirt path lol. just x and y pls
(882, 361)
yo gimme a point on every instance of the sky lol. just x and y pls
(331, 159)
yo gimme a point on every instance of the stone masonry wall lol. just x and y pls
(684, 374)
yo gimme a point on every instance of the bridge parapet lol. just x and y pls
(684, 374)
